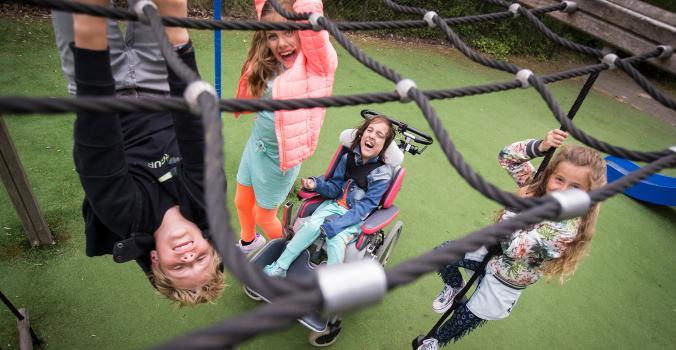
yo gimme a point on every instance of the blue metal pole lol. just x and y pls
(217, 48)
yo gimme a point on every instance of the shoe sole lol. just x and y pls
(441, 311)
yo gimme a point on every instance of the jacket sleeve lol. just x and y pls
(259, 7)
(333, 187)
(545, 241)
(188, 128)
(515, 158)
(320, 56)
(98, 148)
(361, 208)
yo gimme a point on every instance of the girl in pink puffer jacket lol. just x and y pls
(280, 65)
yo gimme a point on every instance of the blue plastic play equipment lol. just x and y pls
(657, 189)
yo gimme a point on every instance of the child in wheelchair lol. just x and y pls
(356, 188)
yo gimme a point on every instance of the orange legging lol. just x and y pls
(251, 214)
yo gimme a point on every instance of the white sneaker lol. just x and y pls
(429, 344)
(444, 300)
(257, 243)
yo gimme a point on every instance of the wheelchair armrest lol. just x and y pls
(306, 194)
(379, 219)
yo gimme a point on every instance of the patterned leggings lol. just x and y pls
(463, 320)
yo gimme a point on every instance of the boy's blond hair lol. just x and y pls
(207, 293)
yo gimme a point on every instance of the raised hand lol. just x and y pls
(554, 138)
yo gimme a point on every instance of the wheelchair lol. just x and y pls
(373, 242)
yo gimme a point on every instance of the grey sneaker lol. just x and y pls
(444, 300)
(274, 270)
(429, 344)
(257, 243)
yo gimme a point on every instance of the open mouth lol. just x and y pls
(289, 56)
(369, 144)
(183, 247)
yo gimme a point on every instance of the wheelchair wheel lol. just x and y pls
(390, 241)
(251, 294)
(326, 337)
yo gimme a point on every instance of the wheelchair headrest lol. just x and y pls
(393, 155)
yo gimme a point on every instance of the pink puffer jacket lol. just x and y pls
(311, 76)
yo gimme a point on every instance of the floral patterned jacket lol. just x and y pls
(519, 264)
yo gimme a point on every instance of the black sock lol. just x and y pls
(243, 243)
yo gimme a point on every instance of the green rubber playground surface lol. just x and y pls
(621, 297)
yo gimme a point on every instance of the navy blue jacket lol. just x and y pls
(360, 203)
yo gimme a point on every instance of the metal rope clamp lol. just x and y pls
(314, 20)
(403, 87)
(138, 9)
(610, 59)
(351, 286)
(667, 51)
(429, 18)
(573, 202)
(194, 90)
(571, 6)
(523, 76)
(514, 9)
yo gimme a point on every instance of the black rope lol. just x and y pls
(286, 14)
(266, 318)
(646, 85)
(571, 114)
(558, 39)
(170, 56)
(292, 298)
(219, 215)
(27, 105)
(585, 138)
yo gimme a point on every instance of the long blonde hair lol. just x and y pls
(260, 61)
(576, 250)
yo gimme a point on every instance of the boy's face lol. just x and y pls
(182, 252)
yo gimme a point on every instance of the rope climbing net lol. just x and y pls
(294, 298)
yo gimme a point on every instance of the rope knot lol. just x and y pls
(138, 9)
(193, 92)
(523, 76)
(314, 20)
(429, 18)
(348, 287)
(403, 87)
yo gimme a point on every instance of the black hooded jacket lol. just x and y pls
(134, 166)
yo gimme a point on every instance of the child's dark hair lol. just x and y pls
(375, 119)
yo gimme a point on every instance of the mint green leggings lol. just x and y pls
(309, 232)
